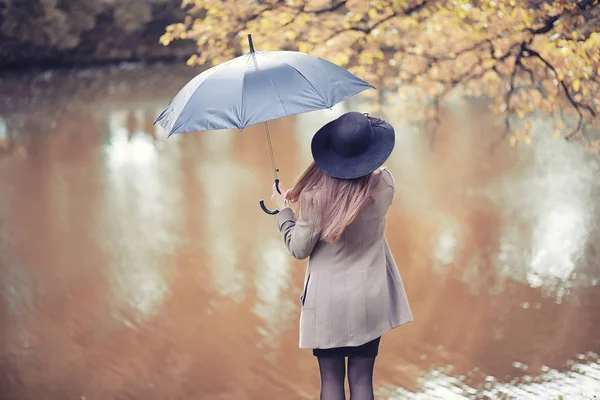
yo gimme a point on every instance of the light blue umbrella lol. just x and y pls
(258, 87)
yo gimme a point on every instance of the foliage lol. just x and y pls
(49, 22)
(526, 55)
(132, 16)
(61, 23)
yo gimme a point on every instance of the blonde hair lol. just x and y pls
(336, 202)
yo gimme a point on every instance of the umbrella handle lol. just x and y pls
(262, 202)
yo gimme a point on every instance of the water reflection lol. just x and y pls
(565, 214)
(445, 242)
(138, 232)
(133, 266)
(579, 382)
(222, 180)
(271, 281)
(555, 196)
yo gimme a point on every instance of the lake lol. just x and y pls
(133, 266)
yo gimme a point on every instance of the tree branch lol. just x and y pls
(576, 105)
(547, 25)
(508, 96)
(303, 10)
(529, 71)
(435, 121)
(583, 5)
(367, 30)
(334, 7)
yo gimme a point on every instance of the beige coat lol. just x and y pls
(353, 292)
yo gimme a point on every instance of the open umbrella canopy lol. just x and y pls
(258, 87)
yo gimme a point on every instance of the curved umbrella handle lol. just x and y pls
(265, 209)
(262, 202)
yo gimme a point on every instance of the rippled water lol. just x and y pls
(135, 267)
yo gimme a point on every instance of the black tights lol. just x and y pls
(360, 377)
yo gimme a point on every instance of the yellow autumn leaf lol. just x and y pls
(304, 47)
(166, 39)
(576, 85)
(192, 60)
(341, 59)
(357, 5)
(356, 17)
(292, 35)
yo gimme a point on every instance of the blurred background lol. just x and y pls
(136, 267)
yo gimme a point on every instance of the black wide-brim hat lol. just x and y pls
(353, 145)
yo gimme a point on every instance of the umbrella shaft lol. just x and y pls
(275, 170)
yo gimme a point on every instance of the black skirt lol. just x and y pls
(369, 349)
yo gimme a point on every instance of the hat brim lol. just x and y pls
(362, 164)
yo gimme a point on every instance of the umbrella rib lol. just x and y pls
(241, 116)
(206, 75)
(317, 91)
(183, 108)
(277, 93)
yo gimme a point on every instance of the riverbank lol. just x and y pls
(89, 33)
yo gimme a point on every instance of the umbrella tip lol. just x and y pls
(250, 43)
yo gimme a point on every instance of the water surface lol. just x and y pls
(136, 267)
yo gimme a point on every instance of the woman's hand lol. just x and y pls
(281, 200)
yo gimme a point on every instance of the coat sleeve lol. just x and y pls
(300, 235)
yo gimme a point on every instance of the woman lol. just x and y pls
(353, 292)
